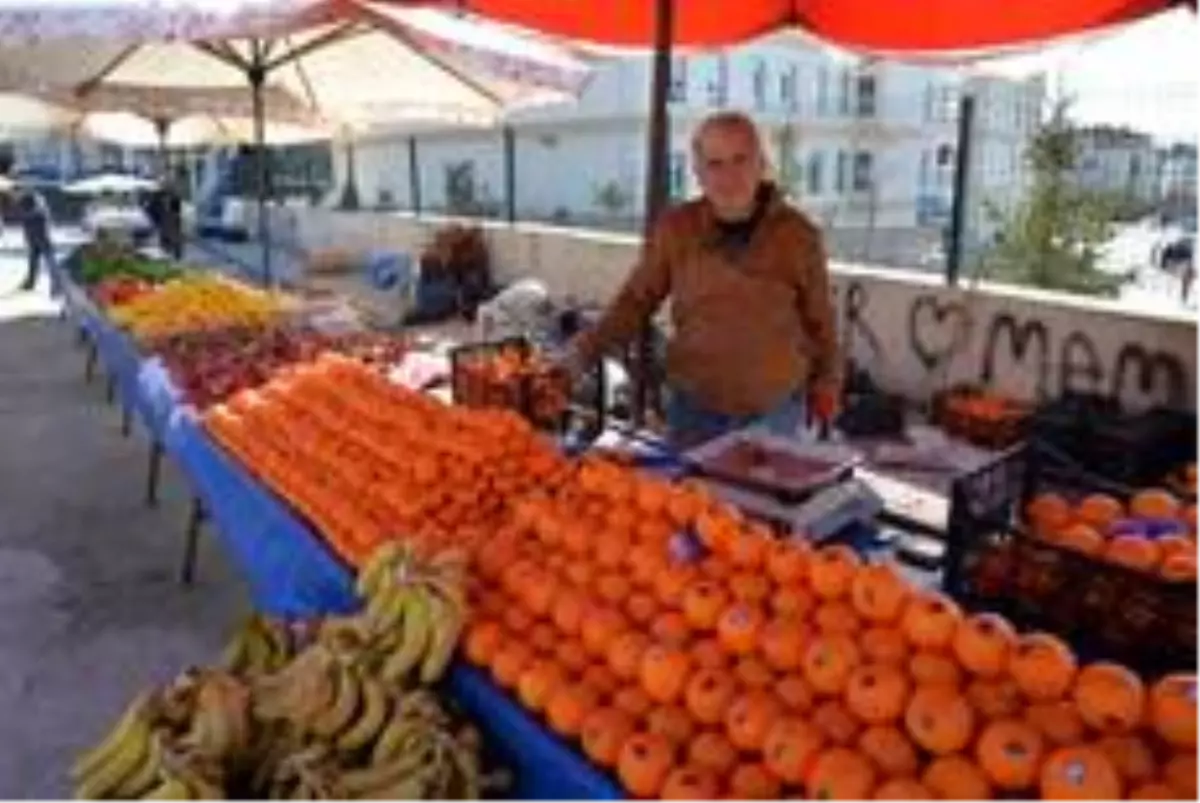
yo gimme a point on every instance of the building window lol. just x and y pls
(788, 83)
(843, 168)
(679, 80)
(816, 169)
(760, 85)
(677, 175)
(863, 164)
(822, 92)
(845, 93)
(945, 156)
(718, 88)
(866, 96)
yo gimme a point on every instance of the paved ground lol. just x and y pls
(89, 607)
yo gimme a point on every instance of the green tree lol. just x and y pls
(1054, 237)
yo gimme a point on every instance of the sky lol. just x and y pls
(1145, 75)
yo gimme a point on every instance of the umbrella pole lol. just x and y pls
(656, 187)
(161, 125)
(257, 75)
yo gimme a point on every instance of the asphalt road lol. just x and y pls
(90, 610)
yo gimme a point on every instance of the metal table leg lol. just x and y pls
(156, 453)
(196, 517)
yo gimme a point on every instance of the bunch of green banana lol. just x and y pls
(414, 612)
(117, 767)
(261, 645)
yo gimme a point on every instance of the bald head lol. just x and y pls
(728, 157)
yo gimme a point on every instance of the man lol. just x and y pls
(35, 223)
(746, 272)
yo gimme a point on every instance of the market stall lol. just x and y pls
(694, 623)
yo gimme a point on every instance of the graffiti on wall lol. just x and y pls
(942, 331)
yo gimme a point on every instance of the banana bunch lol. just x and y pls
(259, 646)
(170, 745)
(414, 753)
(415, 609)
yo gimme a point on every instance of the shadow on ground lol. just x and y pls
(90, 609)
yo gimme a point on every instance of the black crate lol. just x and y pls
(1135, 449)
(1104, 610)
(584, 416)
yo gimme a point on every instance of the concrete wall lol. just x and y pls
(912, 332)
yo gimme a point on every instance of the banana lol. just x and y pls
(121, 761)
(399, 733)
(414, 640)
(447, 622)
(236, 656)
(221, 721)
(355, 783)
(346, 704)
(170, 787)
(385, 611)
(135, 715)
(375, 572)
(373, 714)
(144, 778)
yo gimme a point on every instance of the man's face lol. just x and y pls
(729, 168)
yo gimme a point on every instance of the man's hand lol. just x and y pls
(825, 401)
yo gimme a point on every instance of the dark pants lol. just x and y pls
(38, 251)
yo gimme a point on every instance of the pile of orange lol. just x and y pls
(366, 461)
(1084, 528)
(763, 668)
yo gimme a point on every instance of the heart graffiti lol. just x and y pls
(937, 331)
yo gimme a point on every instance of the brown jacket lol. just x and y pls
(750, 328)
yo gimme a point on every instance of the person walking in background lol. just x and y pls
(171, 221)
(35, 223)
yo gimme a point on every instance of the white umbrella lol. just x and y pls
(355, 64)
(114, 183)
(136, 131)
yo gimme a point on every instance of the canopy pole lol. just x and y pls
(414, 176)
(510, 174)
(656, 188)
(257, 74)
(962, 170)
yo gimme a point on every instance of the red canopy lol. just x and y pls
(883, 25)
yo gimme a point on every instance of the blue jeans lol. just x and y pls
(689, 424)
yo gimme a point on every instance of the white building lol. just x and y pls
(1118, 162)
(867, 148)
(1178, 174)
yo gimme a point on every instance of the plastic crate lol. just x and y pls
(582, 415)
(1104, 610)
(1136, 449)
(999, 431)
